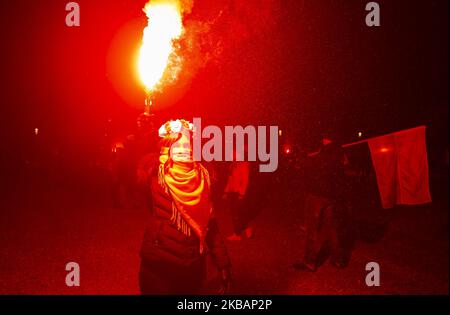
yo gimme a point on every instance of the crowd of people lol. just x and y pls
(182, 195)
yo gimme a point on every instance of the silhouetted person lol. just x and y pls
(116, 185)
(127, 174)
(325, 212)
(235, 194)
(139, 153)
(148, 154)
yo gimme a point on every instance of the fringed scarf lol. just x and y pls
(188, 184)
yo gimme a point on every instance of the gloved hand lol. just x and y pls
(225, 281)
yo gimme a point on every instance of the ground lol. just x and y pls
(45, 226)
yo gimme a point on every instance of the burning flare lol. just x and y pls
(157, 57)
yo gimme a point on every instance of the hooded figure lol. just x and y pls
(325, 208)
(182, 230)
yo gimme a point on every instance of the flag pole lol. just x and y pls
(388, 134)
(354, 143)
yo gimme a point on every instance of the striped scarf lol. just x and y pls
(189, 186)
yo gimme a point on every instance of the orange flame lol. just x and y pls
(157, 58)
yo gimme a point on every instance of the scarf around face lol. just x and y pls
(188, 184)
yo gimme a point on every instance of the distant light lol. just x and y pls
(36, 131)
(280, 132)
(287, 149)
(116, 146)
(384, 150)
(360, 134)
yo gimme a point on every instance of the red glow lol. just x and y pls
(287, 149)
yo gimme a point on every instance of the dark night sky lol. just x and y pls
(304, 65)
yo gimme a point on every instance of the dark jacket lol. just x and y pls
(163, 242)
(325, 172)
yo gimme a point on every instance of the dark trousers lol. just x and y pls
(239, 215)
(159, 278)
(325, 220)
